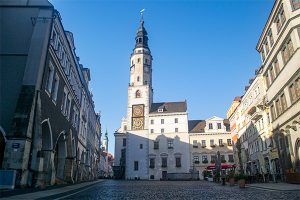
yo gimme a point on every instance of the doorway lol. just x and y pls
(164, 175)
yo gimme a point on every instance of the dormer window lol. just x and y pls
(160, 110)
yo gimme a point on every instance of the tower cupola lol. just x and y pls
(141, 39)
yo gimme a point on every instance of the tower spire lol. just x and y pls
(142, 16)
(141, 36)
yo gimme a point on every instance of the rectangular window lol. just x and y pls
(272, 75)
(50, 78)
(69, 106)
(64, 101)
(212, 142)
(176, 130)
(219, 126)
(55, 87)
(229, 142)
(195, 144)
(136, 165)
(223, 158)
(162, 121)
(152, 121)
(297, 87)
(152, 163)
(262, 53)
(162, 130)
(210, 126)
(164, 162)
(267, 80)
(278, 107)
(287, 51)
(204, 159)
(156, 144)
(221, 142)
(176, 120)
(178, 162)
(141, 146)
(276, 67)
(152, 130)
(170, 144)
(203, 143)
(280, 19)
(292, 92)
(196, 159)
(58, 48)
(213, 159)
(273, 113)
(230, 158)
(124, 142)
(266, 44)
(283, 102)
(271, 39)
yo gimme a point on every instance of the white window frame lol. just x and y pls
(50, 79)
(55, 89)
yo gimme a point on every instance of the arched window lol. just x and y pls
(137, 94)
(138, 79)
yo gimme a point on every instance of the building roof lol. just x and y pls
(196, 126)
(169, 107)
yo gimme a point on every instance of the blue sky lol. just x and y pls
(203, 51)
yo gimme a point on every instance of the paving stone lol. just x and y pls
(161, 190)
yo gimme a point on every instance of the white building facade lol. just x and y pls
(279, 48)
(163, 124)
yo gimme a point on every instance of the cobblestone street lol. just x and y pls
(112, 189)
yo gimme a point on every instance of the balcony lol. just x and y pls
(255, 112)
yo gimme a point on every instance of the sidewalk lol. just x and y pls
(275, 186)
(54, 190)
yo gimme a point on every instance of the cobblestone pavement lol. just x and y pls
(112, 189)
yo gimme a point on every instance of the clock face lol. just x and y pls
(138, 123)
(138, 110)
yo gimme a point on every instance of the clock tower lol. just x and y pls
(140, 92)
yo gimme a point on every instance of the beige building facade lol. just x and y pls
(279, 46)
(207, 138)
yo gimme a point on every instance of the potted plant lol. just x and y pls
(241, 179)
(205, 161)
(212, 161)
(230, 178)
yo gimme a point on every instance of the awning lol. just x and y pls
(223, 166)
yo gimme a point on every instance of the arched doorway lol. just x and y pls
(47, 153)
(2, 145)
(71, 154)
(297, 154)
(60, 156)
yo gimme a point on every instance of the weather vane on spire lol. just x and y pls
(142, 14)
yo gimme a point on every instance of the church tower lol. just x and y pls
(105, 142)
(140, 92)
